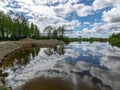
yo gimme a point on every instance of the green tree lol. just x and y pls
(49, 30)
(61, 31)
(16, 28)
(55, 34)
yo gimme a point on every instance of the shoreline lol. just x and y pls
(7, 47)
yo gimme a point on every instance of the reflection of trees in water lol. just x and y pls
(56, 50)
(116, 44)
(20, 57)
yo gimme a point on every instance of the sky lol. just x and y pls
(86, 18)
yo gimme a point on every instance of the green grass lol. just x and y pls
(3, 88)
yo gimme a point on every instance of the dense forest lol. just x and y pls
(16, 28)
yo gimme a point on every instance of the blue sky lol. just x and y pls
(87, 18)
(95, 17)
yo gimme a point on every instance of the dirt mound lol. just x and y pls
(27, 39)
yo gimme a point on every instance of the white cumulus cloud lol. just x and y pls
(100, 4)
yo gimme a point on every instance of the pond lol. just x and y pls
(77, 66)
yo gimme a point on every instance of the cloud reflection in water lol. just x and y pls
(95, 66)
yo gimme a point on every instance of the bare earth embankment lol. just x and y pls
(26, 43)
(8, 47)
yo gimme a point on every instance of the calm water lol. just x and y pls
(77, 66)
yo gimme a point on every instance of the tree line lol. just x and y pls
(55, 33)
(16, 28)
(114, 39)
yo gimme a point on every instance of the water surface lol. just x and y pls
(77, 66)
